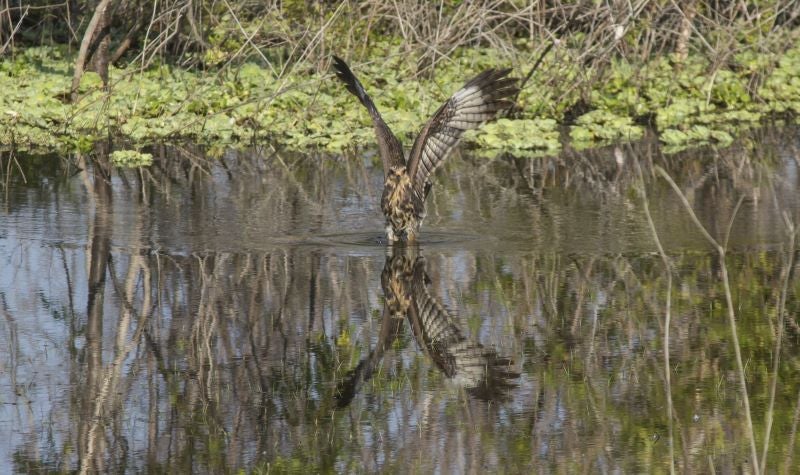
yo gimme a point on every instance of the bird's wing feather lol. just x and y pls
(485, 374)
(347, 389)
(434, 327)
(390, 147)
(478, 101)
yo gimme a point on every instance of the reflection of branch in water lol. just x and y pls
(390, 330)
(404, 280)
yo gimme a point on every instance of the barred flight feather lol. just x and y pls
(481, 370)
(390, 148)
(476, 102)
(479, 100)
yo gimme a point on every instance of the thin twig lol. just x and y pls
(667, 312)
(791, 230)
(14, 31)
(514, 109)
(731, 314)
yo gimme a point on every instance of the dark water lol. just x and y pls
(213, 316)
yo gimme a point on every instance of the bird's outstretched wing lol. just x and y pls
(390, 148)
(346, 390)
(478, 101)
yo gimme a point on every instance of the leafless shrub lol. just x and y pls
(431, 31)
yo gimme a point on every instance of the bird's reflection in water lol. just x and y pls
(480, 370)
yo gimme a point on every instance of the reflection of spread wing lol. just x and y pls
(390, 147)
(351, 385)
(478, 101)
(396, 284)
(404, 281)
(485, 374)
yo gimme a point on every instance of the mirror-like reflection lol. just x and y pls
(437, 332)
(216, 316)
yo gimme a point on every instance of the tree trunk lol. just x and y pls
(100, 55)
(99, 19)
(682, 47)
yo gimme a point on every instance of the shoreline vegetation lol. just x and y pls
(234, 74)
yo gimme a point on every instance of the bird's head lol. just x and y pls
(398, 171)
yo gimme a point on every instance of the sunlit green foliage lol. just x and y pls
(131, 158)
(691, 103)
(602, 126)
(524, 137)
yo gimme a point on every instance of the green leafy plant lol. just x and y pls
(602, 126)
(131, 158)
(306, 108)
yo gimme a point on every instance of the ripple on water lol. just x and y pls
(378, 240)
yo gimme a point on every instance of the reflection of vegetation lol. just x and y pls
(220, 336)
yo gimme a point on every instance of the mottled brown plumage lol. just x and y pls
(407, 182)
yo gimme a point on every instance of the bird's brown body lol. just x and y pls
(402, 220)
(407, 181)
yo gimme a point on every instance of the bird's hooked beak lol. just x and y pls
(399, 171)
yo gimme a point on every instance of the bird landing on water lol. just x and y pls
(407, 181)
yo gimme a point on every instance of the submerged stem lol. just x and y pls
(792, 231)
(721, 250)
(667, 313)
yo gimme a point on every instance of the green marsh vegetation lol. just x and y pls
(235, 73)
(232, 74)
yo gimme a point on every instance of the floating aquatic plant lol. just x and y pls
(131, 158)
(695, 103)
(601, 127)
(523, 137)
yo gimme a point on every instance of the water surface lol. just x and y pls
(210, 315)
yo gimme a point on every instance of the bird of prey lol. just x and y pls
(407, 180)
(465, 361)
